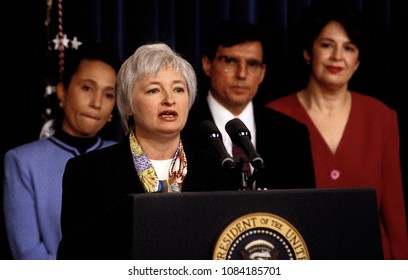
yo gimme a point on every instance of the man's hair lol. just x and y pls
(229, 33)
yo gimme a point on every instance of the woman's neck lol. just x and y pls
(324, 100)
(157, 148)
(81, 144)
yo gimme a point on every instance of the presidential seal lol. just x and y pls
(260, 236)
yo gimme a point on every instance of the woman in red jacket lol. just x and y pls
(354, 137)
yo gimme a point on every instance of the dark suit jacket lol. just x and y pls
(95, 188)
(282, 142)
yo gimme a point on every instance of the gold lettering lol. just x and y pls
(221, 256)
(226, 240)
(247, 224)
(289, 232)
(234, 232)
(300, 252)
(276, 224)
(228, 235)
(222, 247)
(292, 237)
(297, 244)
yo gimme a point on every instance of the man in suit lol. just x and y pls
(233, 60)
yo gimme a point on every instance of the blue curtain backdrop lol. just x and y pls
(126, 24)
(29, 57)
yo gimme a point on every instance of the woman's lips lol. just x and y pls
(334, 69)
(168, 114)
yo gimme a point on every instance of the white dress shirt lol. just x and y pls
(221, 116)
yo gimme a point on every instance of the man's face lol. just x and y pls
(235, 74)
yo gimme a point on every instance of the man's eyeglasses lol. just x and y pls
(230, 64)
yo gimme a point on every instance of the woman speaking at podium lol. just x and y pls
(155, 90)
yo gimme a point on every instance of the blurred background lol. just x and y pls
(31, 30)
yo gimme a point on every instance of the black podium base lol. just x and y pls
(324, 224)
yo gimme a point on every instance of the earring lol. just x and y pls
(61, 105)
(110, 118)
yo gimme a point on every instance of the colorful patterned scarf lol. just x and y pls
(147, 174)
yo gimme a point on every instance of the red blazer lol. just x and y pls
(367, 156)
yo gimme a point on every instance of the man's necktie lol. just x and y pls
(239, 155)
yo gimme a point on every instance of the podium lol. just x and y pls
(320, 224)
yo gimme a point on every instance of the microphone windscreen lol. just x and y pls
(209, 129)
(236, 128)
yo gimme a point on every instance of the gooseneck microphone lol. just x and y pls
(212, 132)
(241, 136)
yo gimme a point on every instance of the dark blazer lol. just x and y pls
(282, 142)
(95, 186)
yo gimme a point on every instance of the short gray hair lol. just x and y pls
(147, 61)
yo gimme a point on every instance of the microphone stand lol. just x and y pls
(244, 176)
(251, 180)
(248, 182)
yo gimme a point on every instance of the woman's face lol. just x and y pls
(161, 104)
(334, 57)
(89, 99)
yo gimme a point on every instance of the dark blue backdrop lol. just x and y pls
(126, 24)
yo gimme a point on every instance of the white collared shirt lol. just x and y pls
(221, 116)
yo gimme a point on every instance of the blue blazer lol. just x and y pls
(32, 196)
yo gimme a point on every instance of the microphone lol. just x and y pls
(241, 136)
(212, 131)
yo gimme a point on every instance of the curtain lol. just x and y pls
(126, 24)
(31, 59)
